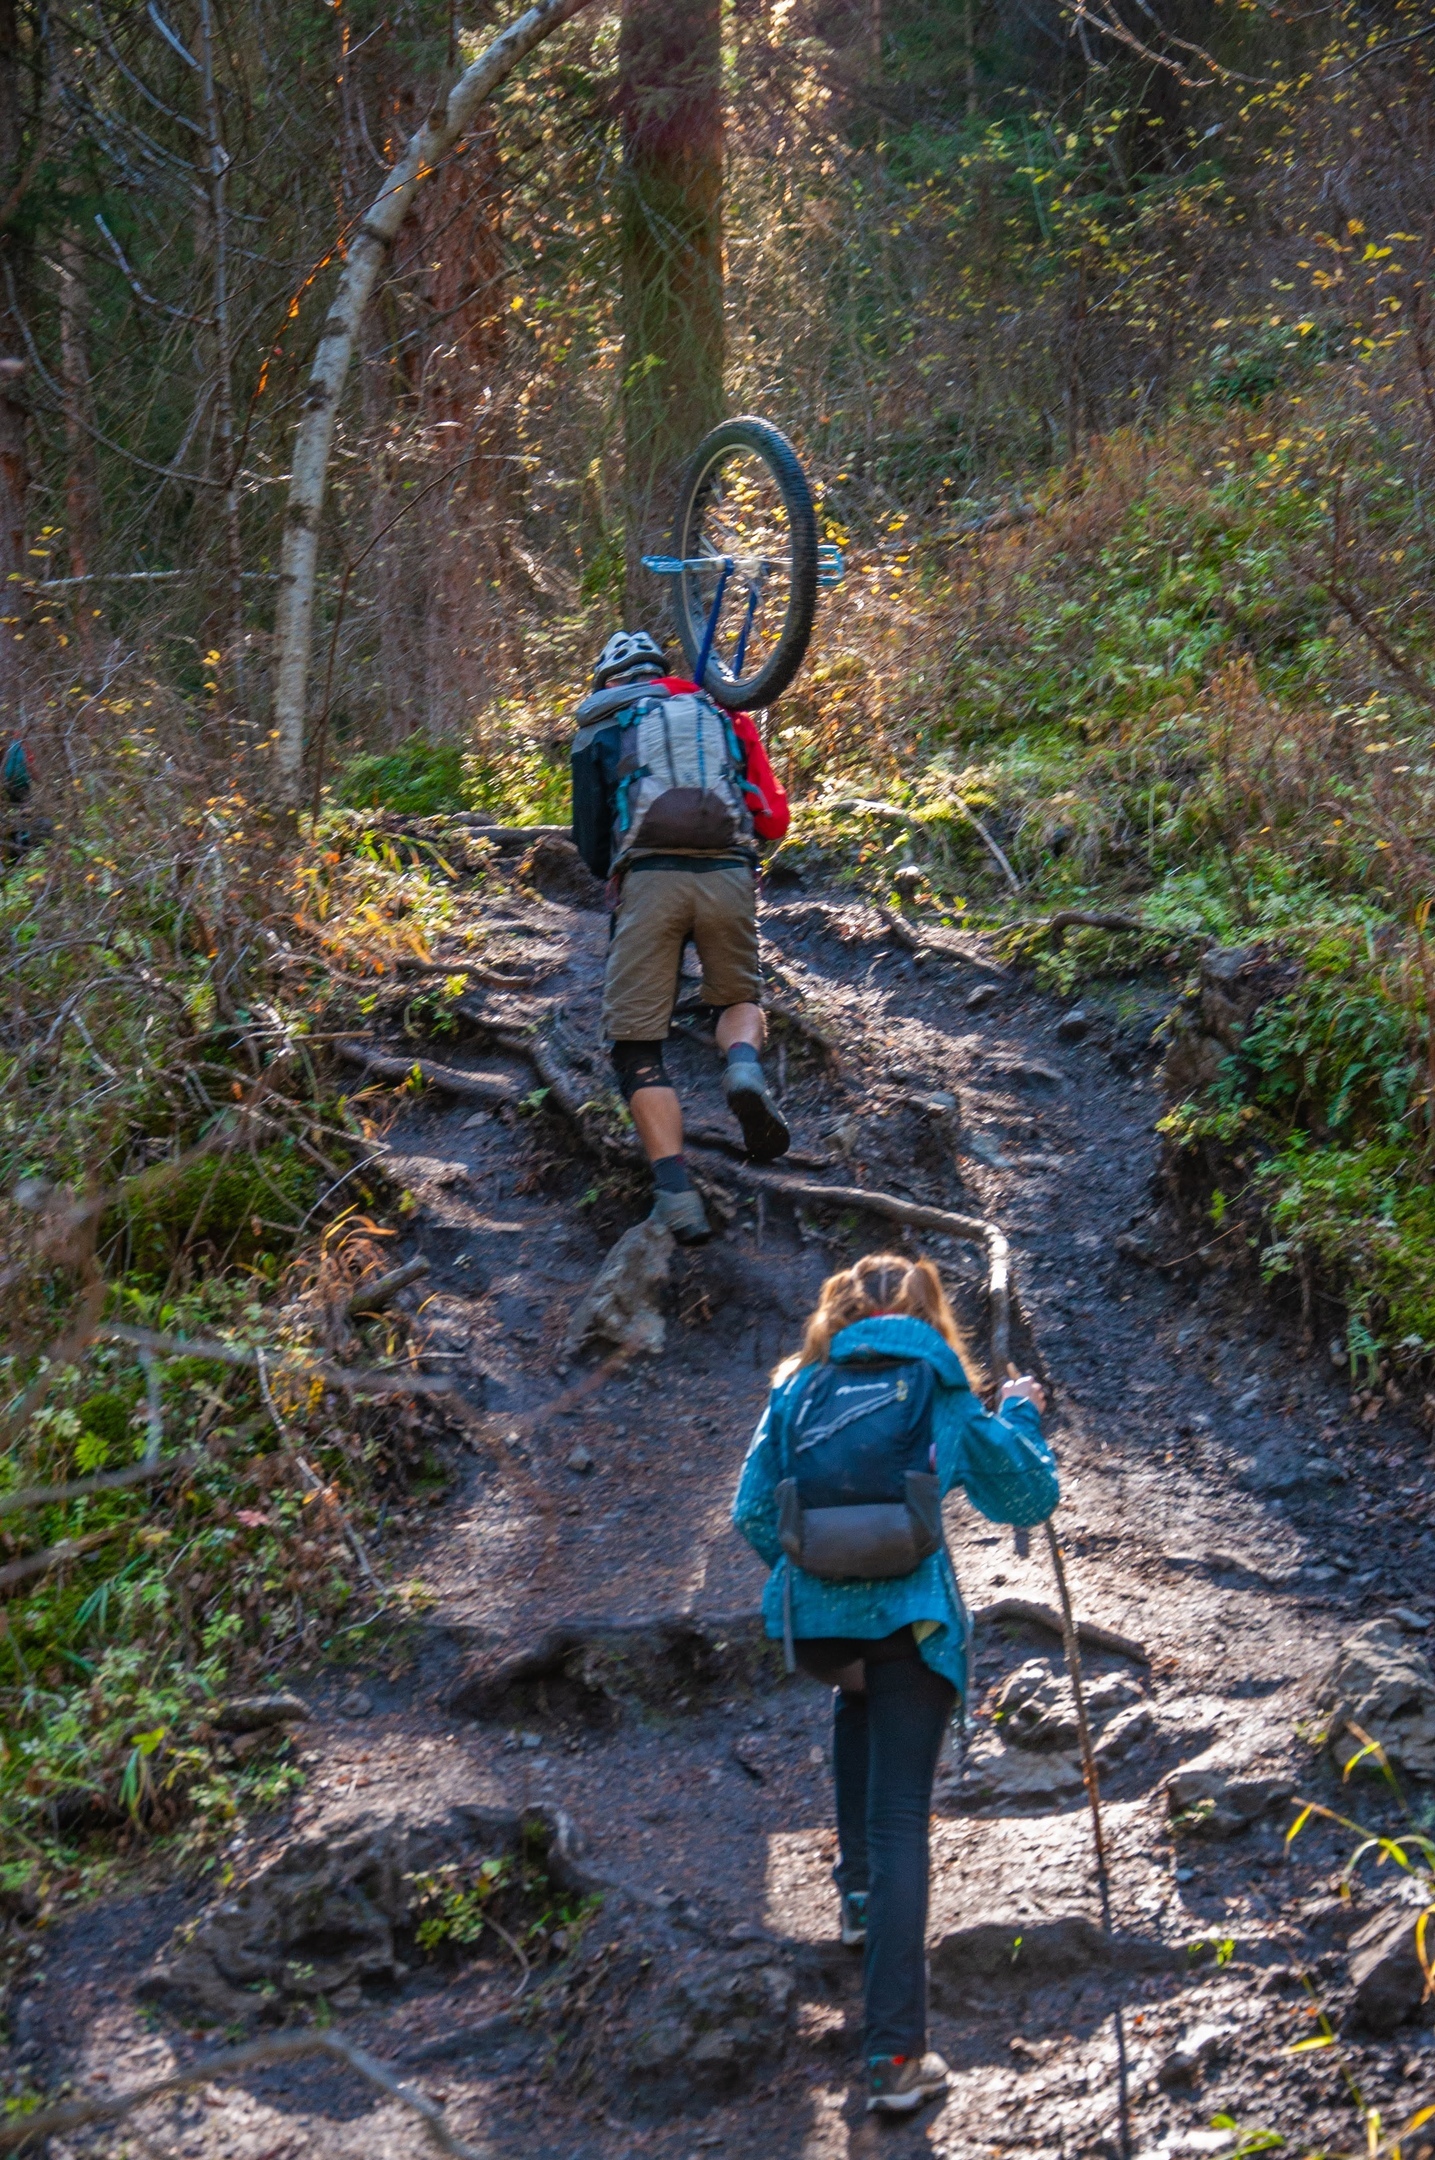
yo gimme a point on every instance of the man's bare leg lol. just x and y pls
(658, 1116)
(741, 1024)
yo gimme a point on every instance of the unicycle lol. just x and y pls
(746, 564)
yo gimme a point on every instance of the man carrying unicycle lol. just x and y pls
(671, 795)
(672, 790)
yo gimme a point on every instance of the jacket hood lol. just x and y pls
(896, 1335)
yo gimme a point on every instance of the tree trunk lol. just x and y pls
(462, 239)
(82, 480)
(14, 464)
(216, 168)
(385, 578)
(313, 438)
(670, 103)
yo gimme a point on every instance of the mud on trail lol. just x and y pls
(590, 1706)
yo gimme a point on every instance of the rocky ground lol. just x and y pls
(590, 1696)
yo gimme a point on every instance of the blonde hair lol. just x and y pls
(880, 1283)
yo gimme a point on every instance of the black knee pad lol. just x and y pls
(638, 1065)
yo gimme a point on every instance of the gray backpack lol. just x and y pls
(680, 772)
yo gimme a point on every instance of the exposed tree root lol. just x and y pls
(47, 2123)
(489, 977)
(1056, 926)
(510, 839)
(655, 1643)
(721, 1143)
(492, 1088)
(1035, 1614)
(912, 941)
(970, 1228)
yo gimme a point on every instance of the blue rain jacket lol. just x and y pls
(1001, 1462)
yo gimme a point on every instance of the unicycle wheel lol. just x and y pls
(745, 525)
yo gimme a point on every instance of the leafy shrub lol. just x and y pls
(1361, 1214)
(419, 779)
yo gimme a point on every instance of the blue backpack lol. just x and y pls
(859, 1500)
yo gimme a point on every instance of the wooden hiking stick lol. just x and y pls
(999, 1311)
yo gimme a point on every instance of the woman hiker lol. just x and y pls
(867, 1427)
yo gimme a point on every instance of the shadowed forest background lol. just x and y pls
(1107, 344)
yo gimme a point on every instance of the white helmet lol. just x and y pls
(631, 652)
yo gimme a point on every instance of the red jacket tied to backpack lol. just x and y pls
(770, 813)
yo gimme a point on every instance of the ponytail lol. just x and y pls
(880, 1283)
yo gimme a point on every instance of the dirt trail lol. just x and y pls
(1220, 1506)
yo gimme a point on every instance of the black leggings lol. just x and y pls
(885, 1743)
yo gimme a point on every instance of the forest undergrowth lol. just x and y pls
(1136, 624)
(1142, 698)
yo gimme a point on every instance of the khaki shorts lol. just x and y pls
(657, 911)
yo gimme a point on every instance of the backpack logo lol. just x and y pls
(860, 1501)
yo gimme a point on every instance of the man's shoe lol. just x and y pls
(764, 1128)
(683, 1214)
(852, 1906)
(900, 2083)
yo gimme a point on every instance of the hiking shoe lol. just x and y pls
(852, 1907)
(900, 2083)
(764, 1128)
(683, 1214)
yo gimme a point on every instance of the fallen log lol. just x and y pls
(372, 1297)
(510, 839)
(493, 1088)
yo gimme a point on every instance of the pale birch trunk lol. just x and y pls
(294, 614)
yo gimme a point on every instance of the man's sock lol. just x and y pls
(670, 1174)
(741, 1054)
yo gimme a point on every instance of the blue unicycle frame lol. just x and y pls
(831, 567)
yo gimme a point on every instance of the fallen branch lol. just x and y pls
(492, 1088)
(140, 1473)
(374, 1296)
(46, 2123)
(361, 1382)
(1033, 1614)
(863, 807)
(53, 1556)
